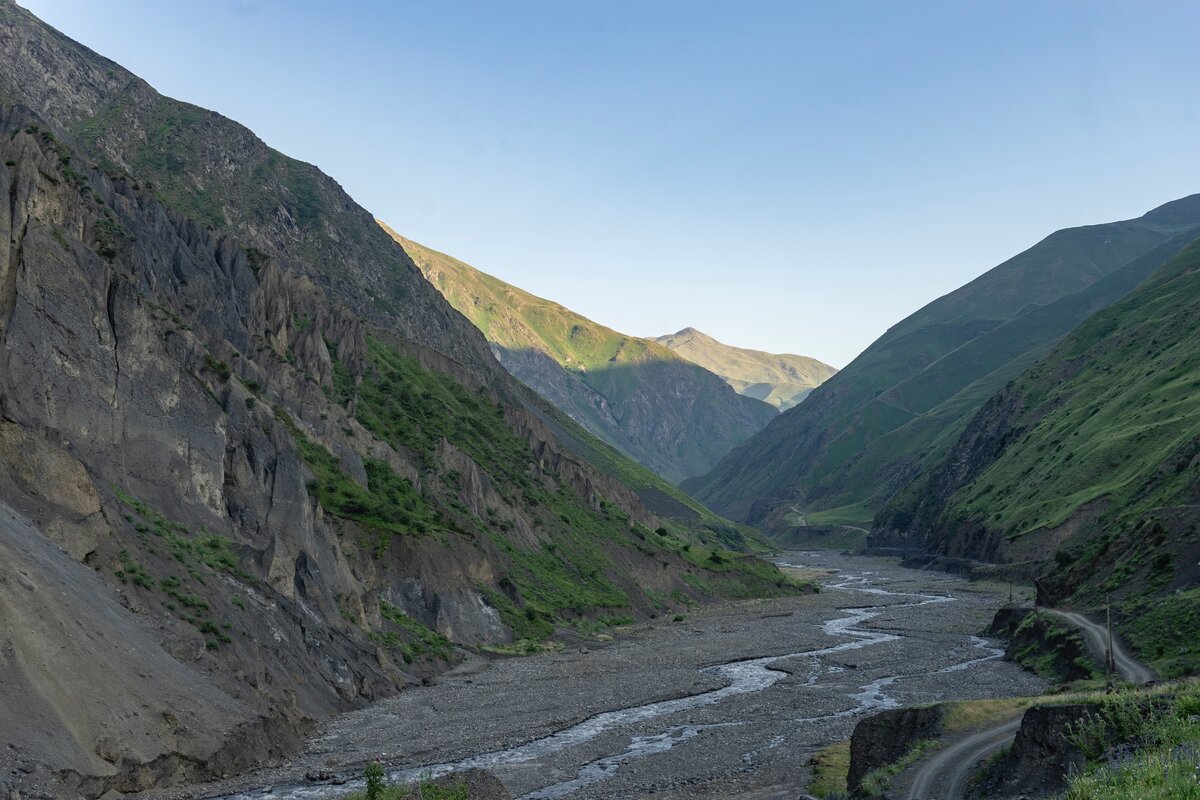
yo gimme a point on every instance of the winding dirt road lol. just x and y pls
(945, 774)
(1128, 667)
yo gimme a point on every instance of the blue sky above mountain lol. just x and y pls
(789, 177)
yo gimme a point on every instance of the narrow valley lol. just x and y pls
(727, 702)
(295, 507)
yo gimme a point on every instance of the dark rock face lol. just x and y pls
(886, 737)
(1060, 651)
(1041, 756)
(922, 527)
(106, 391)
(222, 175)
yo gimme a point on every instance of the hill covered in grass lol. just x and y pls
(671, 415)
(1086, 469)
(780, 379)
(899, 406)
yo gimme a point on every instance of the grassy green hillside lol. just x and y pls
(671, 415)
(1090, 461)
(1133, 404)
(901, 404)
(780, 379)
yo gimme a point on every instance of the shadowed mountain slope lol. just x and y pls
(673, 416)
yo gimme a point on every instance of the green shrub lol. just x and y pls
(220, 368)
(1165, 731)
(374, 776)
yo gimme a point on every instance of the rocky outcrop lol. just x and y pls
(886, 737)
(1043, 644)
(1041, 756)
(130, 445)
(225, 178)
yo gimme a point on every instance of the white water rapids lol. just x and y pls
(743, 677)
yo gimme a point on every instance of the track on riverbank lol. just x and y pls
(944, 774)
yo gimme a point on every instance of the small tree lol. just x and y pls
(374, 776)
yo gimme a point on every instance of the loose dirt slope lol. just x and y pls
(63, 633)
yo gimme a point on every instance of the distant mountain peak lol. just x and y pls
(780, 379)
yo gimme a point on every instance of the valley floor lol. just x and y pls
(730, 702)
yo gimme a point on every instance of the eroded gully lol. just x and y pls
(655, 728)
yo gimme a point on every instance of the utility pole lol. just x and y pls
(1110, 662)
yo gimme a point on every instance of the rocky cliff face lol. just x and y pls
(225, 178)
(273, 474)
(129, 443)
(884, 738)
(1041, 756)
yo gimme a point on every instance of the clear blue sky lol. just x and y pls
(789, 176)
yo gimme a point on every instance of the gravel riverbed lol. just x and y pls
(731, 702)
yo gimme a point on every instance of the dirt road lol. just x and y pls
(1128, 667)
(944, 775)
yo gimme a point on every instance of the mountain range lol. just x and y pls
(671, 415)
(780, 379)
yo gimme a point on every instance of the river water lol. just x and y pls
(581, 758)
